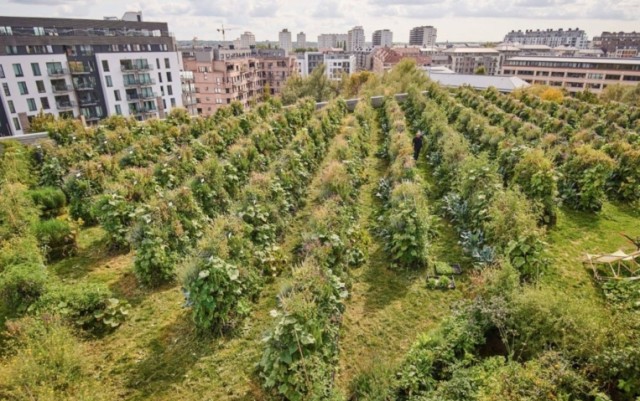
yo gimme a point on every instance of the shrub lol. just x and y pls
(48, 364)
(300, 352)
(535, 176)
(20, 250)
(208, 187)
(115, 215)
(584, 176)
(17, 211)
(90, 307)
(407, 225)
(51, 201)
(20, 286)
(624, 182)
(218, 293)
(57, 238)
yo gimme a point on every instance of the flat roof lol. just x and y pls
(500, 82)
(471, 50)
(594, 60)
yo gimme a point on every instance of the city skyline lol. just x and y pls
(456, 20)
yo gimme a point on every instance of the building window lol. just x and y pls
(169, 90)
(159, 77)
(17, 70)
(118, 110)
(40, 86)
(5, 87)
(109, 82)
(11, 49)
(12, 107)
(35, 67)
(158, 63)
(1, 72)
(31, 103)
(162, 90)
(166, 63)
(38, 31)
(105, 65)
(45, 103)
(173, 102)
(22, 86)
(168, 77)
(116, 93)
(5, 31)
(16, 123)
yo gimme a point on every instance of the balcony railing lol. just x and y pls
(65, 105)
(93, 117)
(87, 102)
(148, 95)
(62, 88)
(58, 72)
(85, 86)
(138, 82)
(81, 71)
(134, 68)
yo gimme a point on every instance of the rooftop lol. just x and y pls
(472, 50)
(501, 83)
(594, 60)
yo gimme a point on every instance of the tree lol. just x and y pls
(480, 70)
(317, 85)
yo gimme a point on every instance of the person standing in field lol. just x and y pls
(417, 145)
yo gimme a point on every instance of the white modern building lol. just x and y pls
(87, 69)
(301, 41)
(467, 60)
(355, 39)
(284, 40)
(424, 36)
(551, 37)
(382, 38)
(336, 64)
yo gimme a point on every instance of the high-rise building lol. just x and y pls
(222, 76)
(301, 41)
(332, 41)
(382, 38)
(355, 39)
(550, 37)
(88, 69)
(284, 38)
(246, 41)
(424, 36)
(336, 64)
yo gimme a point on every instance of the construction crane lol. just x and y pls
(223, 30)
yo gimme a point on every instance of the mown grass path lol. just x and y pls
(388, 308)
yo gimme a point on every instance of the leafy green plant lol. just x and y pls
(115, 215)
(20, 286)
(584, 176)
(57, 238)
(51, 201)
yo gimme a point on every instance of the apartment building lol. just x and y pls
(382, 38)
(355, 39)
(284, 41)
(88, 69)
(336, 64)
(327, 41)
(466, 60)
(424, 36)
(618, 44)
(384, 59)
(550, 37)
(574, 73)
(222, 76)
(301, 41)
(246, 40)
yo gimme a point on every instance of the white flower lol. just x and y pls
(203, 274)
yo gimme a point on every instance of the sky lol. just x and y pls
(455, 20)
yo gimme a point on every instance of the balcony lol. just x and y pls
(88, 102)
(146, 110)
(93, 117)
(57, 72)
(137, 82)
(81, 71)
(62, 106)
(133, 98)
(148, 95)
(85, 86)
(62, 88)
(189, 102)
(136, 68)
